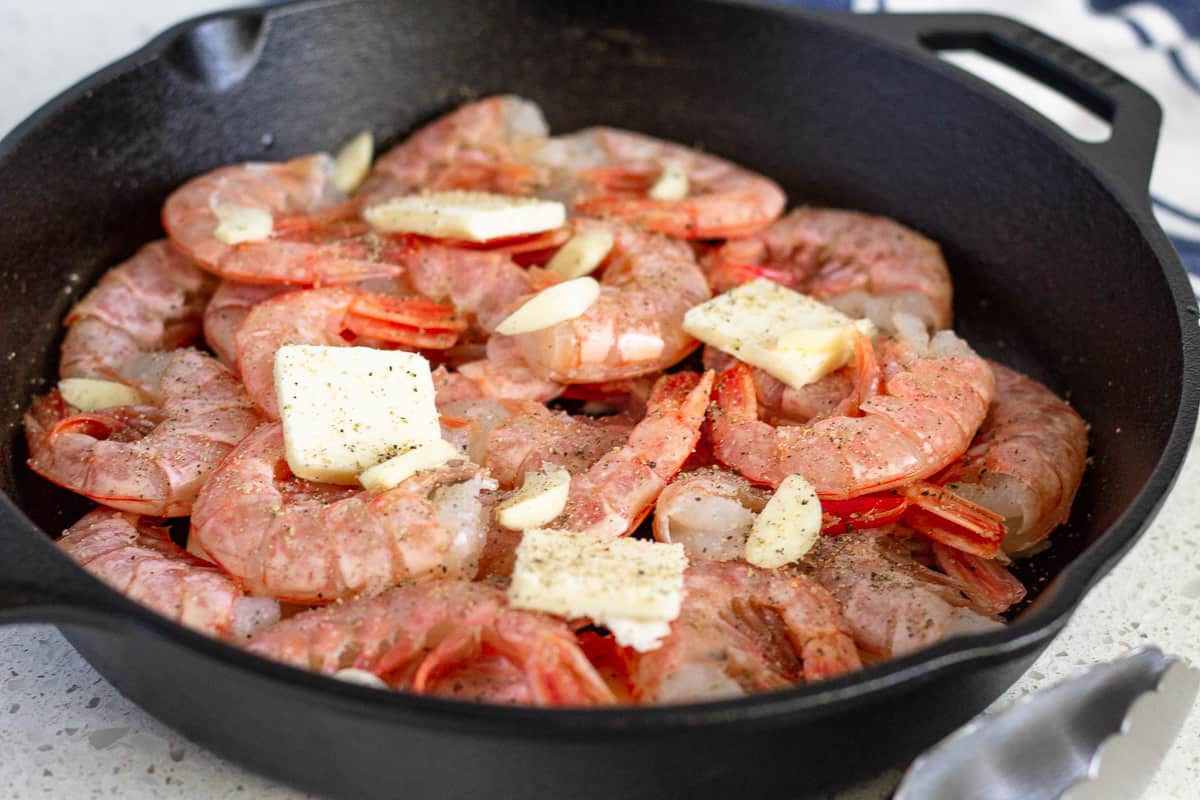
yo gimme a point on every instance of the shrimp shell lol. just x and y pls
(149, 459)
(151, 302)
(140, 561)
(415, 636)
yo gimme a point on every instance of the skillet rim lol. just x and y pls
(1063, 595)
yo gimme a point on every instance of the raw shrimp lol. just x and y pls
(315, 237)
(477, 146)
(226, 311)
(1026, 462)
(482, 285)
(617, 492)
(635, 327)
(608, 172)
(415, 636)
(151, 302)
(710, 512)
(309, 542)
(538, 437)
(865, 265)
(139, 560)
(504, 374)
(781, 404)
(147, 459)
(932, 401)
(744, 629)
(894, 602)
(334, 317)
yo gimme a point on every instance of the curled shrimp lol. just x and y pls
(929, 405)
(139, 560)
(310, 542)
(146, 459)
(893, 598)
(710, 512)
(538, 437)
(608, 172)
(151, 302)
(616, 492)
(477, 146)
(743, 629)
(416, 636)
(226, 311)
(315, 238)
(1026, 462)
(334, 317)
(635, 327)
(867, 266)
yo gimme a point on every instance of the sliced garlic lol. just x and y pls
(92, 394)
(415, 456)
(353, 162)
(541, 498)
(582, 253)
(361, 677)
(238, 223)
(473, 216)
(551, 306)
(788, 526)
(672, 183)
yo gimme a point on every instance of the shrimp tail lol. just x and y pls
(954, 521)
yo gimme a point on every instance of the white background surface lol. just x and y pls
(65, 733)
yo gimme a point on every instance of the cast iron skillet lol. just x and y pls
(1059, 266)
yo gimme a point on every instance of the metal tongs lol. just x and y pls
(1100, 736)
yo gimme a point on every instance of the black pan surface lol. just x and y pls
(1059, 268)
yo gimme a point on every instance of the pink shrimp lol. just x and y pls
(139, 560)
(616, 493)
(895, 602)
(865, 265)
(151, 302)
(744, 629)
(146, 459)
(928, 408)
(504, 374)
(308, 542)
(608, 172)
(781, 404)
(710, 512)
(635, 327)
(482, 285)
(537, 437)
(1027, 461)
(416, 636)
(334, 317)
(316, 238)
(226, 311)
(477, 146)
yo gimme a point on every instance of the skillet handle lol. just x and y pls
(40, 584)
(1134, 115)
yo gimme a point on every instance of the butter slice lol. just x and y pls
(635, 587)
(345, 409)
(789, 335)
(472, 216)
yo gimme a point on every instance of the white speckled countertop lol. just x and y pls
(64, 732)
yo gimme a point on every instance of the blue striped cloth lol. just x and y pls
(1155, 43)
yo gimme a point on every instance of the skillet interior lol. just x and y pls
(1052, 273)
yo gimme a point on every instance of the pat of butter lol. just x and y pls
(789, 335)
(412, 458)
(787, 527)
(473, 216)
(92, 394)
(541, 498)
(635, 585)
(345, 409)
